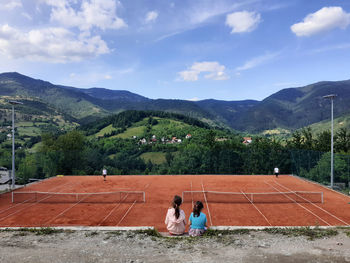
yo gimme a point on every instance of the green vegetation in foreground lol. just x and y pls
(310, 233)
(37, 231)
(154, 157)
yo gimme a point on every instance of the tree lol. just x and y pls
(321, 172)
(27, 169)
(323, 141)
(342, 141)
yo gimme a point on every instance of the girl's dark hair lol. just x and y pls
(197, 208)
(176, 204)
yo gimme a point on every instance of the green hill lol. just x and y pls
(286, 110)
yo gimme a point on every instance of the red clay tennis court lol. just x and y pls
(229, 200)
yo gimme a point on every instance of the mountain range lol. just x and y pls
(289, 109)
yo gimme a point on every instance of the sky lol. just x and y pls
(178, 49)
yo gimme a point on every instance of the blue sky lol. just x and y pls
(178, 49)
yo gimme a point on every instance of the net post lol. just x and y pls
(12, 196)
(322, 197)
(144, 197)
(252, 197)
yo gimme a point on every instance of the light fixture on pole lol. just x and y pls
(331, 97)
(13, 103)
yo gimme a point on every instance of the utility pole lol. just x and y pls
(13, 103)
(331, 97)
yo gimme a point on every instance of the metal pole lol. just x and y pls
(332, 158)
(13, 146)
(331, 97)
(13, 103)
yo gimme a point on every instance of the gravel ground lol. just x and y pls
(109, 246)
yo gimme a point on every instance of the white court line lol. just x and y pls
(205, 199)
(191, 195)
(126, 213)
(25, 202)
(114, 208)
(340, 220)
(256, 208)
(118, 205)
(65, 210)
(300, 204)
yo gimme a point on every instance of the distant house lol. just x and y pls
(143, 141)
(9, 136)
(188, 136)
(247, 140)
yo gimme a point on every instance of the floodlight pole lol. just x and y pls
(13, 103)
(331, 97)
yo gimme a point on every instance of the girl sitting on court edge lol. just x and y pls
(198, 220)
(175, 218)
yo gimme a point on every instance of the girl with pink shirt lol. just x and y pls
(175, 219)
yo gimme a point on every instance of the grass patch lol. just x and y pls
(114, 233)
(133, 131)
(29, 131)
(217, 233)
(91, 233)
(105, 130)
(154, 157)
(310, 233)
(149, 232)
(37, 231)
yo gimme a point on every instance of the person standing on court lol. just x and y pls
(104, 174)
(175, 219)
(276, 171)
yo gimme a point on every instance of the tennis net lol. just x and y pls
(104, 197)
(268, 197)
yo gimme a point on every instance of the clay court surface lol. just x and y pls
(159, 191)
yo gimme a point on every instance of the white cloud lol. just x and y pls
(216, 71)
(151, 16)
(323, 20)
(53, 44)
(254, 62)
(26, 15)
(243, 21)
(194, 99)
(330, 48)
(10, 5)
(92, 13)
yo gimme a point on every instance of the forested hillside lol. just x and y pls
(288, 109)
(148, 142)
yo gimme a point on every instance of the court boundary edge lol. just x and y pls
(86, 228)
(143, 228)
(319, 184)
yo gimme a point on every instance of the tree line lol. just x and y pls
(209, 151)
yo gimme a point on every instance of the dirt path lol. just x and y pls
(104, 246)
